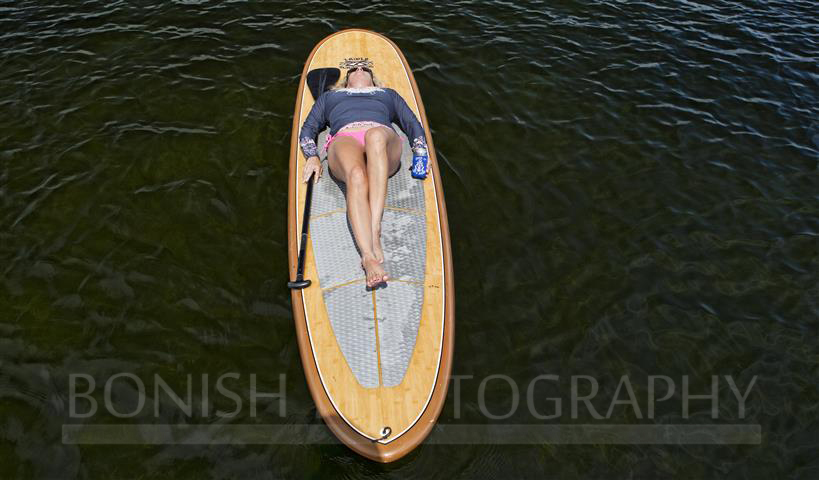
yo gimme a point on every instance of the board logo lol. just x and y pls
(353, 62)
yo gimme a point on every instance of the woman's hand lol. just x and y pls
(313, 165)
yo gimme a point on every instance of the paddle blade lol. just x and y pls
(321, 79)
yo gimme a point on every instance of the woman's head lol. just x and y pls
(358, 77)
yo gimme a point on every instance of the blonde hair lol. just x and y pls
(342, 82)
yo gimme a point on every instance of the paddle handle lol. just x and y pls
(300, 282)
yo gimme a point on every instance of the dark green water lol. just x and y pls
(632, 190)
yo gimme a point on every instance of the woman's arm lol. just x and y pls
(408, 121)
(315, 122)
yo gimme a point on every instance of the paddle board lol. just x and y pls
(377, 361)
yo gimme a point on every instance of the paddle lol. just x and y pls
(300, 281)
(319, 81)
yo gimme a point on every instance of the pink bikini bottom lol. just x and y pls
(359, 135)
(356, 130)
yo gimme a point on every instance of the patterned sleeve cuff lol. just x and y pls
(308, 146)
(419, 142)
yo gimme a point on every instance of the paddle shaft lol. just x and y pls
(317, 81)
(305, 222)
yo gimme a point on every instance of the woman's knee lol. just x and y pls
(357, 176)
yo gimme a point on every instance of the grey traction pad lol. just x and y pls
(349, 302)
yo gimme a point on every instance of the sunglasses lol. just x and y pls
(362, 68)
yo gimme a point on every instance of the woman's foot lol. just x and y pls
(375, 272)
(377, 250)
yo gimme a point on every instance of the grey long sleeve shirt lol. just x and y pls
(341, 107)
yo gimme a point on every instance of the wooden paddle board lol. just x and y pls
(377, 361)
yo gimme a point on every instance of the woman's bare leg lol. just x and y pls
(383, 147)
(346, 160)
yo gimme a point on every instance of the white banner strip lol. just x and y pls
(303, 434)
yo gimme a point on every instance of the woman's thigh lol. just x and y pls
(393, 142)
(344, 155)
